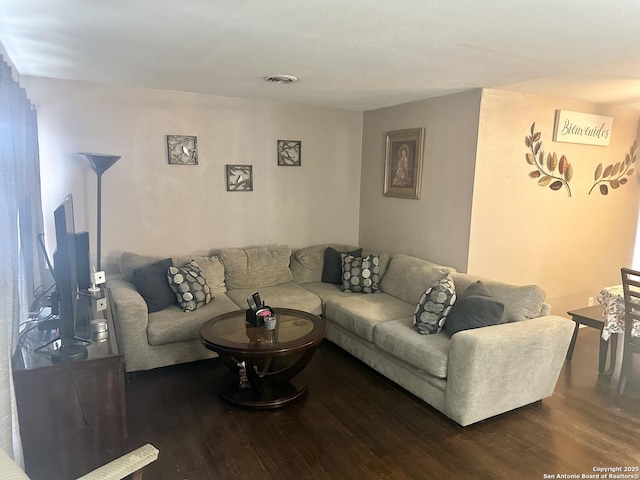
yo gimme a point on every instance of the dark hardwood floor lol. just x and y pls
(355, 424)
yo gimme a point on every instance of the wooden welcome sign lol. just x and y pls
(585, 128)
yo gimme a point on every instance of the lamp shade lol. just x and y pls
(100, 162)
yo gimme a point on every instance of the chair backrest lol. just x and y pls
(631, 291)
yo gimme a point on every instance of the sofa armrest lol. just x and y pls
(131, 319)
(496, 369)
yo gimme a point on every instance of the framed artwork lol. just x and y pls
(289, 153)
(403, 163)
(182, 150)
(239, 178)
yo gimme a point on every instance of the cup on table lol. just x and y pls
(270, 322)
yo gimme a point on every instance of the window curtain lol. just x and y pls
(21, 262)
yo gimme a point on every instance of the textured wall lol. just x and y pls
(436, 226)
(481, 212)
(152, 207)
(524, 233)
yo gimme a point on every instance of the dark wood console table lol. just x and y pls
(72, 414)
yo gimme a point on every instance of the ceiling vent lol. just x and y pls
(281, 79)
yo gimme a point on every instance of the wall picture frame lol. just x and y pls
(404, 151)
(289, 153)
(239, 178)
(182, 149)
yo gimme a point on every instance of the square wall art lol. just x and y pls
(239, 178)
(182, 149)
(289, 153)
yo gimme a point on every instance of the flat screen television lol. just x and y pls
(66, 259)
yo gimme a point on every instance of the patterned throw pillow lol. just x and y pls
(434, 306)
(190, 286)
(360, 274)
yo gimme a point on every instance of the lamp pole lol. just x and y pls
(99, 163)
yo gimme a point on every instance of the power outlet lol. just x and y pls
(101, 304)
(97, 277)
(591, 301)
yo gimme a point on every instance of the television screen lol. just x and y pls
(66, 276)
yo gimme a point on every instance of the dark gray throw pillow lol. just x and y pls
(474, 308)
(151, 283)
(332, 265)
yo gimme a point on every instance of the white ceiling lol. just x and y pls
(353, 54)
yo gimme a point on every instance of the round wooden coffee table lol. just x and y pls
(263, 362)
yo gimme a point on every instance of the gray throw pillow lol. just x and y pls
(474, 308)
(434, 306)
(151, 283)
(190, 287)
(332, 265)
(360, 274)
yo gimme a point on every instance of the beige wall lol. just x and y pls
(524, 233)
(437, 225)
(479, 211)
(151, 207)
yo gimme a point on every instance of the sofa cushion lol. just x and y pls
(307, 263)
(256, 267)
(129, 261)
(284, 295)
(361, 313)
(434, 306)
(327, 290)
(474, 308)
(173, 325)
(190, 287)
(408, 277)
(520, 301)
(212, 269)
(332, 266)
(429, 353)
(151, 282)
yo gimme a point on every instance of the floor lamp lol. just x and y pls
(100, 163)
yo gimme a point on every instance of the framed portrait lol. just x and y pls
(182, 149)
(403, 163)
(239, 178)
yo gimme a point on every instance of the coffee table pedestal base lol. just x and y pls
(263, 363)
(272, 395)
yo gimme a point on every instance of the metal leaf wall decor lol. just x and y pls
(615, 175)
(546, 165)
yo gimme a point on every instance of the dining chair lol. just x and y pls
(631, 344)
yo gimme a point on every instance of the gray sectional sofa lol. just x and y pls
(470, 376)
